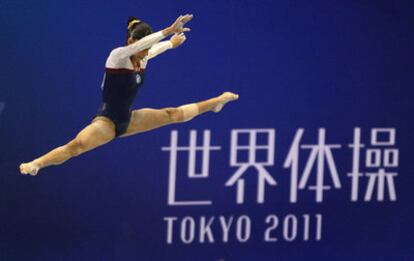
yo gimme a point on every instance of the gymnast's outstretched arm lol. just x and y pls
(158, 48)
(149, 40)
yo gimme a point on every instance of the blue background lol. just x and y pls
(295, 64)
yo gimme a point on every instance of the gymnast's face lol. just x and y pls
(140, 55)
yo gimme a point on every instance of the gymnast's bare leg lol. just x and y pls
(148, 119)
(102, 130)
(99, 132)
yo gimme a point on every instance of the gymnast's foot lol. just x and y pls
(29, 168)
(223, 99)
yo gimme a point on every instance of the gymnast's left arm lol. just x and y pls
(158, 48)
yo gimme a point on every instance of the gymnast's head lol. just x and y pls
(136, 30)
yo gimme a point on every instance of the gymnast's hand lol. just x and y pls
(177, 40)
(178, 25)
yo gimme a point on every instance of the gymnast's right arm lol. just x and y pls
(148, 41)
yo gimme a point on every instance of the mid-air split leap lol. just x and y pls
(124, 75)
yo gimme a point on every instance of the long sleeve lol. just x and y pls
(159, 48)
(155, 50)
(119, 57)
(142, 44)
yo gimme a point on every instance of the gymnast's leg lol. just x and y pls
(148, 119)
(99, 132)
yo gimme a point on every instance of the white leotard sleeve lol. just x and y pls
(155, 50)
(159, 48)
(119, 57)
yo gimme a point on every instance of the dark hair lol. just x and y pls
(138, 29)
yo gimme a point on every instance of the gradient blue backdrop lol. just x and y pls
(310, 64)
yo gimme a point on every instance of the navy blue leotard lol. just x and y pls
(119, 90)
(122, 82)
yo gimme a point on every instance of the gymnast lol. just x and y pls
(124, 75)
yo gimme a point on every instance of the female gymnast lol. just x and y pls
(124, 75)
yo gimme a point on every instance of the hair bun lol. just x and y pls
(132, 20)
